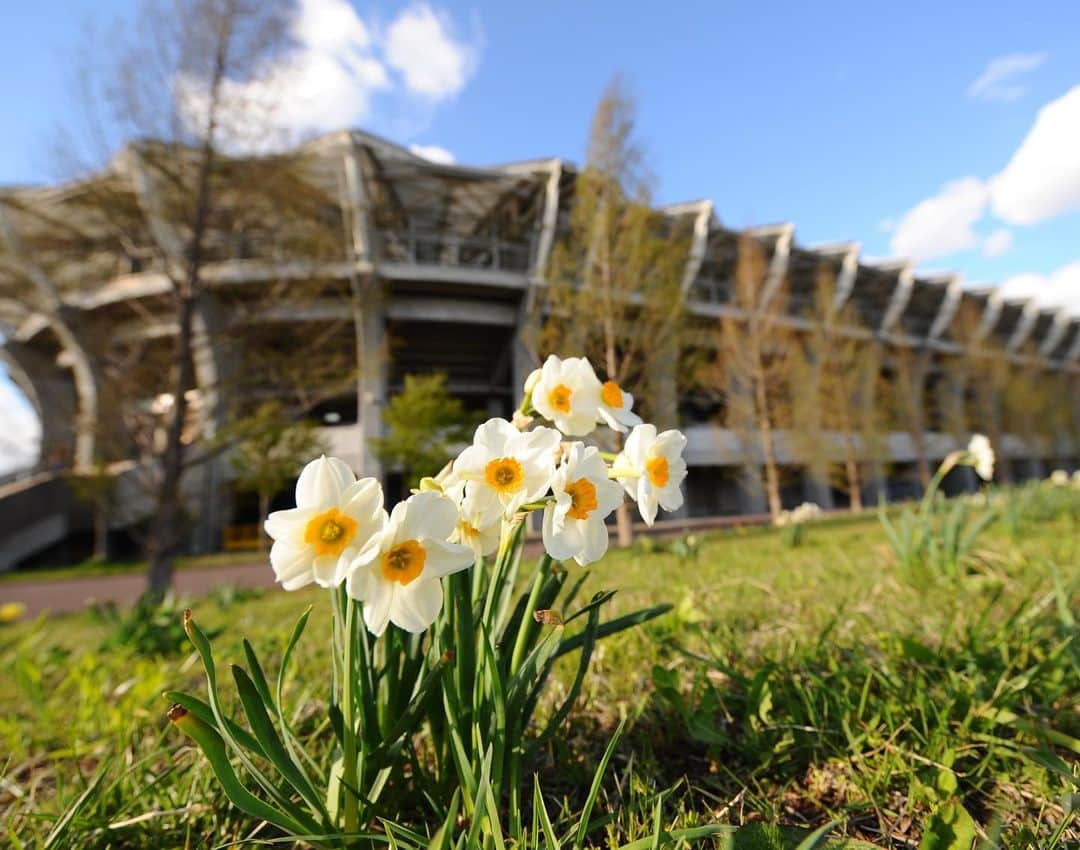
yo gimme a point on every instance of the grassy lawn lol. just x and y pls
(788, 686)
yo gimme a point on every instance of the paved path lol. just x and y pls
(59, 596)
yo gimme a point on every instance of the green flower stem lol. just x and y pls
(351, 803)
(946, 467)
(505, 554)
(525, 627)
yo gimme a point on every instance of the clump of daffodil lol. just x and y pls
(403, 569)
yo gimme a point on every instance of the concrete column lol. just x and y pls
(369, 308)
(523, 359)
(875, 485)
(815, 476)
(752, 499)
(816, 489)
(214, 357)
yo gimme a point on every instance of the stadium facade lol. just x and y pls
(420, 267)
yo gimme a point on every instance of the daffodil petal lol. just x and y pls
(444, 558)
(291, 564)
(595, 544)
(416, 605)
(282, 525)
(322, 482)
(377, 604)
(428, 515)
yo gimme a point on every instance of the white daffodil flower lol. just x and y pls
(652, 469)
(506, 467)
(615, 407)
(982, 456)
(1059, 478)
(398, 578)
(568, 394)
(335, 518)
(479, 523)
(584, 496)
(806, 512)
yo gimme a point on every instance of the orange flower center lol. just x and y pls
(582, 498)
(611, 394)
(404, 562)
(559, 398)
(657, 467)
(330, 532)
(468, 530)
(504, 474)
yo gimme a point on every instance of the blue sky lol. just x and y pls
(950, 132)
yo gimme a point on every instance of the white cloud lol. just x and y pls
(433, 153)
(1000, 80)
(942, 224)
(1060, 288)
(1042, 180)
(20, 431)
(997, 243)
(330, 76)
(420, 45)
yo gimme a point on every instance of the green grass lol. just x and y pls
(789, 686)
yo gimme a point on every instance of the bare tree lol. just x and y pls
(1029, 409)
(181, 203)
(756, 362)
(980, 370)
(834, 391)
(614, 290)
(909, 368)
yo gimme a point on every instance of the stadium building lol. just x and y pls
(402, 265)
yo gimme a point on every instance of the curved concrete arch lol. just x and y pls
(991, 313)
(699, 244)
(57, 315)
(845, 280)
(905, 283)
(949, 305)
(778, 265)
(1024, 327)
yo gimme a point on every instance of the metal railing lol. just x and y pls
(26, 472)
(409, 246)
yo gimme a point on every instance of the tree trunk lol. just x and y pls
(854, 481)
(772, 474)
(163, 531)
(264, 511)
(624, 525)
(922, 464)
(768, 449)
